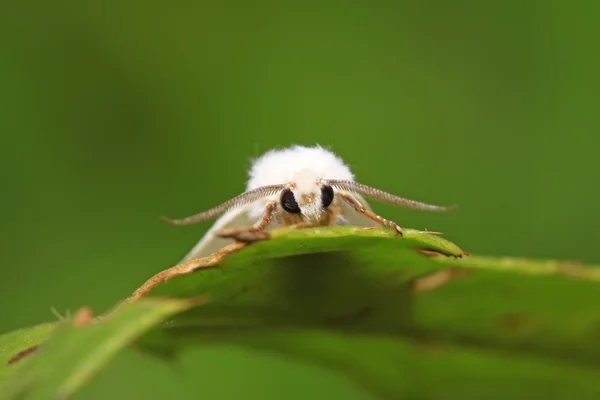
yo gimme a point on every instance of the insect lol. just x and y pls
(296, 187)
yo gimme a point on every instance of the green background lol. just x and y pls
(113, 114)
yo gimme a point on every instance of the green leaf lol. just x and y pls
(18, 344)
(406, 317)
(74, 354)
(402, 324)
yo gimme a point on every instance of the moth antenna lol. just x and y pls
(377, 194)
(240, 200)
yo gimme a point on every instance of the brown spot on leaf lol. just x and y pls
(571, 270)
(22, 354)
(430, 253)
(83, 316)
(244, 236)
(186, 267)
(434, 280)
(435, 253)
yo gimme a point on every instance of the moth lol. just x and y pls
(296, 186)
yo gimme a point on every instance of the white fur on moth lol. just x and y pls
(309, 186)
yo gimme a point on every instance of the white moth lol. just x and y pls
(296, 187)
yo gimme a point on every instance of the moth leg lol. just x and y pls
(361, 209)
(259, 226)
(301, 225)
(262, 224)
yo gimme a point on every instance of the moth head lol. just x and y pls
(307, 195)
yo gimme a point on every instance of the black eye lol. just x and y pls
(326, 195)
(288, 202)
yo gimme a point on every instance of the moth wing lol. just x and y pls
(210, 243)
(353, 217)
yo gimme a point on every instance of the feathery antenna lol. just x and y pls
(376, 194)
(243, 199)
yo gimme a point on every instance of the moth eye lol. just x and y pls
(326, 195)
(288, 202)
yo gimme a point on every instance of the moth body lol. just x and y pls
(295, 186)
(302, 169)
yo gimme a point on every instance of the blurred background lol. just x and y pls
(115, 113)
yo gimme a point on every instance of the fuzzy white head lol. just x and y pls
(303, 169)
